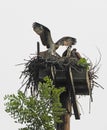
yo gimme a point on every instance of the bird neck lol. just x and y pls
(69, 51)
(51, 51)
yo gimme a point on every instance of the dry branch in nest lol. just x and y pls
(93, 70)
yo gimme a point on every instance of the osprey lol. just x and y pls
(73, 53)
(45, 36)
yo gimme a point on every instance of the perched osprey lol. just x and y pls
(75, 54)
(45, 36)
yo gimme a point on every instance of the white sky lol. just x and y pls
(85, 20)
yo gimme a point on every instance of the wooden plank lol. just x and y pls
(72, 92)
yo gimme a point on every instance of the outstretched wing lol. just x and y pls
(44, 34)
(66, 41)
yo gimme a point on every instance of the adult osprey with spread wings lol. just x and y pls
(45, 36)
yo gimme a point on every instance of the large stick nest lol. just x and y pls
(33, 65)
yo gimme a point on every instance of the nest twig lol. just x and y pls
(93, 72)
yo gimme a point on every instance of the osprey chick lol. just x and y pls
(73, 53)
(45, 36)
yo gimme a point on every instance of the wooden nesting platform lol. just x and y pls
(59, 75)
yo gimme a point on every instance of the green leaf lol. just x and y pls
(41, 112)
(83, 62)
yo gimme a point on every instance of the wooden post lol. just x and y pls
(68, 114)
(67, 122)
(38, 50)
(66, 117)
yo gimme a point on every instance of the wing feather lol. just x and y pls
(44, 34)
(66, 41)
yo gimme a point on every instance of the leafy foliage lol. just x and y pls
(83, 62)
(37, 113)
